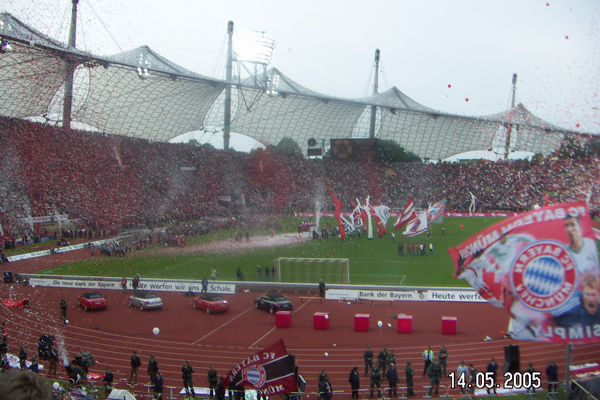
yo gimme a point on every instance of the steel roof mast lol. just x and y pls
(70, 71)
(228, 78)
(375, 91)
(510, 126)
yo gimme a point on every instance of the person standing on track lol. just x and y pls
(354, 380)
(204, 285)
(186, 373)
(472, 378)
(63, 309)
(326, 390)
(322, 289)
(152, 368)
(368, 357)
(428, 357)
(322, 377)
(492, 368)
(552, 374)
(443, 357)
(135, 363)
(382, 362)
(462, 372)
(375, 381)
(213, 380)
(158, 386)
(410, 373)
(434, 372)
(220, 389)
(392, 378)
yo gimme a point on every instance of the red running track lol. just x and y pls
(224, 340)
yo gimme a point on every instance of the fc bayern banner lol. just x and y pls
(435, 213)
(416, 226)
(542, 266)
(270, 371)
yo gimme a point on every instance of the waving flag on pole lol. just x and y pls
(417, 225)
(375, 213)
(407, 214)
(357, 216)
(270, 371)
(435, 212)
(367, 208)
(348, 225)
(338, 212)
(542, 266)
(383, 212)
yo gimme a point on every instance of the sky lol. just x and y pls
(456, 56)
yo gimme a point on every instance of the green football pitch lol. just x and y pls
(374, 261)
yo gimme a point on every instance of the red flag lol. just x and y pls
(407, 214)
(270, 371)
(338, 212)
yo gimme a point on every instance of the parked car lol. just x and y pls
(92, 301)
(145, 300)
(273, 303)
(211, 303)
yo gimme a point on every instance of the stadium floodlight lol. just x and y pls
(142, 69)
(271, 84)
(252, 48)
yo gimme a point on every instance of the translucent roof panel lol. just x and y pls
(141, 94)
(156, 107)
(29, 78)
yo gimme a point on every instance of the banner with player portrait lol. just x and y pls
(542, 266)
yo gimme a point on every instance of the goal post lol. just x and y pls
(312, 270)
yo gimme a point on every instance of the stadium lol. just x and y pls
(93, 191)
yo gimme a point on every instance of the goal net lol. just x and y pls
(312, 270)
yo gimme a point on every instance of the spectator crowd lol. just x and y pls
(107, 182)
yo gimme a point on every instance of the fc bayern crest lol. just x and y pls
(544, 275)
(256, 375)
(435, 211)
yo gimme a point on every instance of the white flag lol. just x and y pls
(416, 226)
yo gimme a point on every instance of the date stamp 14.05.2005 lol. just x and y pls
(486, 380)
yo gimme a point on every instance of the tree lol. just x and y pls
(194, 142)
(594, 145)
(575, 146)
(390, 151)
(287, 147)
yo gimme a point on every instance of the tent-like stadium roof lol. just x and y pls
(140, 94)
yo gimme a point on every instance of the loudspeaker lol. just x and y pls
(512, 358)
(84, 359)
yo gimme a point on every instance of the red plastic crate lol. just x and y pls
(449, 325)
(283, 319)
(404, 324)
(321, 320)
(361, 322)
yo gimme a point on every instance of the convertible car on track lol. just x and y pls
(145, 300)
(211, 303)
(92, 301)
(273, 303)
